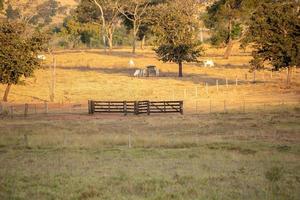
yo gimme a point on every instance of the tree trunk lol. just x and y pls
(180, 69)
(104, 43)
(143, 42)
(228, 50)
(288, 76)
(6, 92)
(110, 39)
(134, 37)
(201, 35)
(229, 41)
(134, 44)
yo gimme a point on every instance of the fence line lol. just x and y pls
(135, 107)
(207, 105)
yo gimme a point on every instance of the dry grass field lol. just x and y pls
(255, 155)
(92, 74)
(199, 155)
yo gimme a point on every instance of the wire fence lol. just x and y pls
(189, 107)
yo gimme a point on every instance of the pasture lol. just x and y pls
(92, 74)
(206, 156)
(207, 153)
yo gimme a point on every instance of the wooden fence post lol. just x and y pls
(217, 84)
(236, 81)
(136, 109)
(90, 107)
(226, 82)
(196, 90)
(148, 107)
(181, 107)
(125, 107)
(26, 110)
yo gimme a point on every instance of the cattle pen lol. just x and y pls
(135, 107)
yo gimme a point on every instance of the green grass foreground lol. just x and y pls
(215, 156)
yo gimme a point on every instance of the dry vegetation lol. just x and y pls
(252, 155)
(214, 156)
(91, 74)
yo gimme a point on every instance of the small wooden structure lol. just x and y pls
(152, 70)
(135, 107)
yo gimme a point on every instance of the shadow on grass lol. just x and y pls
(114, 53)
(191, 77)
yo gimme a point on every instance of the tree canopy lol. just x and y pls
(274, 32)
(102, 12)
(226, 19)
(176, 27)
(18, 53)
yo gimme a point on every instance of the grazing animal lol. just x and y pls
(208, 63)
(138, 73)
(131, 63)
(41, 57)
(149, 71)
(157, 72)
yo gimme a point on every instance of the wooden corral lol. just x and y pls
(135, 107)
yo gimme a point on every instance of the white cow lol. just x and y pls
(208, 63)
(41, 57)
(131, 63)
(140, 73)
(156, 71)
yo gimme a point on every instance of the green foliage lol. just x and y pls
(18, 52)
(1, 5)
(225, 18)
(86, 12)
(45, 12)
(178, 53)
(74, 33)
(176, 32)
(274, 32)
(12, 13)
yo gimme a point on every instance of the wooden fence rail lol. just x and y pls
(135, 107)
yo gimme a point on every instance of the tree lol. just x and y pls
(1, 5)
(176, 26)
(274, 34)
(18, 53)
(71, 31)
(45, 12)
(12, 14)
(226, 18)
(134, 11)
(33, 12)
(103, 12)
